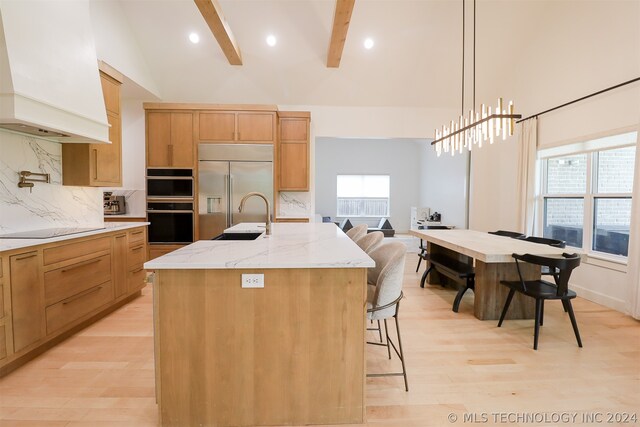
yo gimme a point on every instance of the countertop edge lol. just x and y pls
(15, 244)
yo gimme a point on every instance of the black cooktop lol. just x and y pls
(48, 233)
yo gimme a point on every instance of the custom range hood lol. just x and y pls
(49, 80)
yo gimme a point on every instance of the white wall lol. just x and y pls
(576, 54)
(443, 184)
(400, 159)
(116, 44)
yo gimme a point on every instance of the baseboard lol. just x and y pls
(599, 298)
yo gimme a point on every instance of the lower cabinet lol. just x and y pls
(27, 299)
(58, 286)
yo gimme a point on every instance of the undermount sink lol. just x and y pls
(237, 236)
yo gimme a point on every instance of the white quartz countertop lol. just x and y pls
(11, 244)
(291, 245)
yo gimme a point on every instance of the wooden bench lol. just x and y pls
(457, 271)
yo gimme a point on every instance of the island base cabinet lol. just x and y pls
(289, 353)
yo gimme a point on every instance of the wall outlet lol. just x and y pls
(253, 280)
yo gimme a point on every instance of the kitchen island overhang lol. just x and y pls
(291, 352)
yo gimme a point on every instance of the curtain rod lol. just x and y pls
(580, 99)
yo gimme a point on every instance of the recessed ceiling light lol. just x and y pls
(271, 40)
(194, 38)
(368, 43)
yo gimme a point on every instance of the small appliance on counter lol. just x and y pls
(113, 205)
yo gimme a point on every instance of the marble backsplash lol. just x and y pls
(293, 204)
(45, 205)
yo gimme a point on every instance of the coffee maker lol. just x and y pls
(113, 205)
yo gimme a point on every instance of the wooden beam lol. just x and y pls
(341, 20)
(212, 14)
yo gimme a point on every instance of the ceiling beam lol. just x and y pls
(212, 14)
(341, 20)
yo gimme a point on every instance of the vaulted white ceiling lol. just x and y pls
(416, 60)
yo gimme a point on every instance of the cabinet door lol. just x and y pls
(110, 93)
(256, 127)
(216, 126)
(181, 150)
(106, 160)
(294, 130)
(120, 249)
(294, 166)
(158, 139)
(27, 299)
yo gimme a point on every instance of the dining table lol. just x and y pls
(492, 258)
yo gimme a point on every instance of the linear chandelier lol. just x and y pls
(478, 127)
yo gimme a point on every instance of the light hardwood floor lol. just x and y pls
(457, 364)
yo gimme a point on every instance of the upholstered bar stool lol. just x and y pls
(357, 232)
(370, 241)
(384, 302)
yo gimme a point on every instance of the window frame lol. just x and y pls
(589, 196)
(388, 198)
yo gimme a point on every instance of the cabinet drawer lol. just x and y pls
(74, 250)
(136, 279)
(3, 343)
(77, 306)
(75, 278)
(136, 237)
(136, 256)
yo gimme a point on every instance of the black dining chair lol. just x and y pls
(546, 271)
(512, 234)
(543, 290)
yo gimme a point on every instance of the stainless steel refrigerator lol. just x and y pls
(226, 174)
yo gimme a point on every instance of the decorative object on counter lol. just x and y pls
(113, 205)
(479, 126)
(29, 182)
(385, 226)
(267, 204)
(435, 217)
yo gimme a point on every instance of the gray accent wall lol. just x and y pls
(398, 158)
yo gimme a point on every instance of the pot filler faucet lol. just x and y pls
(266, 201)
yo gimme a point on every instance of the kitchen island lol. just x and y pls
(290, 351)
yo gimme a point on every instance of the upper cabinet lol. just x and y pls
(293, 151)
(170, 139)
(244, 127)
(98, 165)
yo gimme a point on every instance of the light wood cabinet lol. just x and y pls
(120, 248)
(156, 251)
(246, 127)
(293, 152)
(98, 165)
(170, 139)
(58, 286)
(27, 299)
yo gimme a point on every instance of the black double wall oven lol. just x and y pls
(170, 206)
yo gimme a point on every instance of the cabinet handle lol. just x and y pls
(81, 264)
(27, 256)
(80, 295)
(95, 163)
(136, 232)
(138, 270)
(136, 249)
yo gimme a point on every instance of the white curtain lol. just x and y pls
(633, 267)
(527, 153)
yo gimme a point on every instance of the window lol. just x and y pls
(587, 196)
(363, 195)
